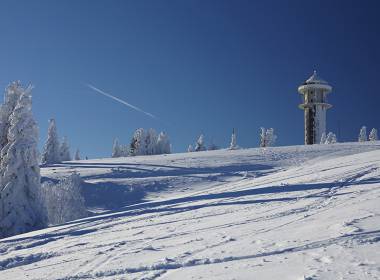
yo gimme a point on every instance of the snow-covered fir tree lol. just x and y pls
(77, 155)
(190, 149)
(163, 144)
(331, 138)
(20, 206)
(116, 149)
(362, 134)
(373, 135)
(200, 145)
(64, 150)
(11, 97)
(323, 138)
(233, 145)
(51, 151)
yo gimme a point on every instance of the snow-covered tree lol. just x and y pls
(267, 137)
(362, 134)
(150, 142)
(20, 206)
(64, 150)
(323, 138)
(263, 138)
(233, 145)
(51, 151)
(116, 149)
(77, 155)
(190, 149)
(331, 138)
(200, 145)
(163, 144)
(63, 200)
(373, 135)
(270, 137)
(137, 146)
(11, 97)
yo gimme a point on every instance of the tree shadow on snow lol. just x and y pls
(173, 206)
(155, 170)
(114, 196)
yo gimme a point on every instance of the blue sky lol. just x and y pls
(199, 65)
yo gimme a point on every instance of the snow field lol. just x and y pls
(276, 213)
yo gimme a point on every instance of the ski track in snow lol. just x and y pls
(301, 212)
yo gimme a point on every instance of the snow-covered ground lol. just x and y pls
(300, 212)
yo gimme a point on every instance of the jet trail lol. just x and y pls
(120, 101)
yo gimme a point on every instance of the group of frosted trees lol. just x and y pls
(363, 135)
(147, 143)
(53, 151)
(24, 204)
(143, 142)
(267, 139)
(330, 138)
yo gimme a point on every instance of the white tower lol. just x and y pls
(314, 91)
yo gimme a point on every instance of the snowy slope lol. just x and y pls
(280, 213)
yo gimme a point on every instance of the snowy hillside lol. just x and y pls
(301, 212)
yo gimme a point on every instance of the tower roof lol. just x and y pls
(314, 82)
(315, 79)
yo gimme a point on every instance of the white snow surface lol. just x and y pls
(299, 212)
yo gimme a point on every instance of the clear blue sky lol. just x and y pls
(199, 65)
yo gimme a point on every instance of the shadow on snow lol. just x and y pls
(172, 206)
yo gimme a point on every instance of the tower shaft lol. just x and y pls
(315, 123)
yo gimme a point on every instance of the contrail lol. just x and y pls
(120, 101)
